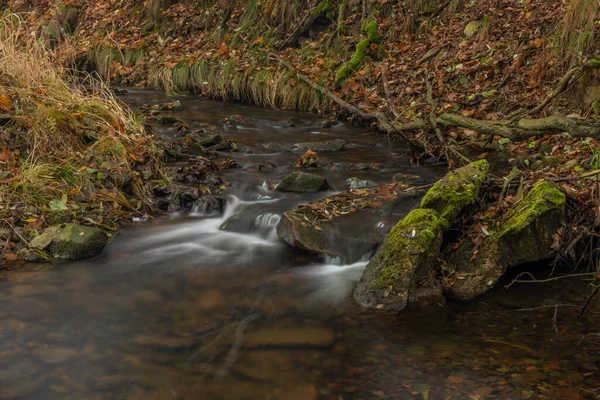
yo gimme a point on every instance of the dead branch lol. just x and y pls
(576, 178)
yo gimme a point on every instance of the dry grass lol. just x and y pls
(577, 28)
(65, 139)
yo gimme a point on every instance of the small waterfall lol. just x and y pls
(265, 224)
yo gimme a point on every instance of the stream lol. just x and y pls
(178, 308)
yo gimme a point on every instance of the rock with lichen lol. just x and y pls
(70, 241)
(525, 236)
(404, 270)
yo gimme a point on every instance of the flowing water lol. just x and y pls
(188, 307)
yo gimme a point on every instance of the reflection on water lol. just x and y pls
(202, 306)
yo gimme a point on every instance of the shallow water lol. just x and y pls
(178, 308)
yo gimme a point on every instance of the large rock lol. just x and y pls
(403, 267)
(526, 236)
(404, 270)
(343, 225)
(458, 189)
(301, 182)
(71, 241)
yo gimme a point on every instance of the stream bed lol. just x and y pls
(178, 308)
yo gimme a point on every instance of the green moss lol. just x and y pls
(345, 71)
(456, 190)
(322, 8)
(416, 234)
(543, 197)
(371, 30)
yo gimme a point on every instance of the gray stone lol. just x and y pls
(301, 182)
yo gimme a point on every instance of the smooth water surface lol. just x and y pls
(179, 308)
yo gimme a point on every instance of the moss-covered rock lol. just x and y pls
(71, 241)
(457, 190)
(472, 28)
(301, 182)
(403, 270)
(525, 236)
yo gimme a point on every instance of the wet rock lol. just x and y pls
(223, 146)
(211, 140)
(357, 183)
(290, 338)
(327, 146)
(343, 225)
(275, 146)
(404, 265)
(119, 92)
(328, 123)
(172, 106)
(209, 204)
(196, 149)
(267, 167)
(525, 237)
(167, 120)
(293, 122)
(301, 182)
(457, 190)
(409, 179)
(71, 241)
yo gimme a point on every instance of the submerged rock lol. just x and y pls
(526, 236)
(275, 146)
(71, 241)
(343, 225)
(302, 182)
(404, 270)
(404, 265)
(328, 146)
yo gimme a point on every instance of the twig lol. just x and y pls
(25, 242)
(554, 318)
(588, 300)
(388, 95)
(576, 178)
(518, 346)
(533, 280)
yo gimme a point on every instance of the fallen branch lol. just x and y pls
(576, 178)
(382, 122)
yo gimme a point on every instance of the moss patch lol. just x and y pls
(372, 37)
(543, 197)
(414, 236)
(456, 190)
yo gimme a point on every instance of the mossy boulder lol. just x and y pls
(402, 271)
(457, 190)
(344, 225)
(301, 182)
(525, 236)
(71, 241)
